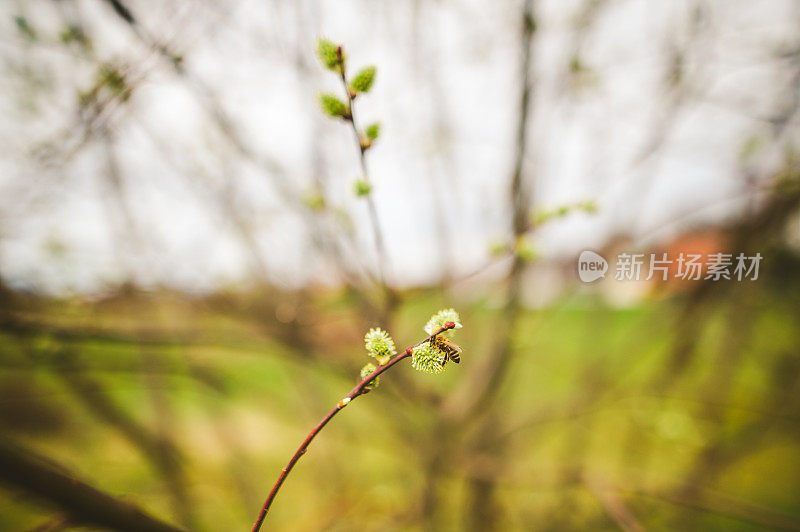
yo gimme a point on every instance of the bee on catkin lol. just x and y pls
(451, 350)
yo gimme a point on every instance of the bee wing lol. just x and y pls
(454, 346)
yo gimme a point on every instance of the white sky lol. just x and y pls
(447, 97)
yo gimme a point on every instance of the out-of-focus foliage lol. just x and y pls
(582, 419)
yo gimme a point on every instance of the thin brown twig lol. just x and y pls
(712, 501)
(483, 387)
(360, 389)
(373, 211)
(53, 525)
(612, 503)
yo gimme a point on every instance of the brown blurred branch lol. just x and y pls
(158, 449)
(484, 388)
(755, 230)
(614, 506)
(360, 389)
(273, 169)
(712, 501)
(725, 505)
(81, 502)
(53, 525)
(226, 125)
(487, 381)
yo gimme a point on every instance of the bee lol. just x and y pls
(451, 350)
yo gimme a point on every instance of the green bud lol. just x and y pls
(328, 54)
(25, 29)
(363, 80)
(314, 201)
(498, 248)
(372, 131)
(524, 250)
(379, 345)
(75, 34)
(576, 65)
(366, 371)
(589, 207)
(361, 188)
(332, 106)
(541, 216)
(110, 76)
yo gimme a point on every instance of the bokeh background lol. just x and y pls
(186, 274)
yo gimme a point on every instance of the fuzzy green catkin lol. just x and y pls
(328, 54)
(363, 81)
(361, 188)
(373, 131)
(332, 106)
(379, 345)
(427, 358)
(438, 320)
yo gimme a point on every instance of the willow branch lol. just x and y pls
(360, 389)
(373, 211)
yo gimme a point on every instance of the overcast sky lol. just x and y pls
(658, 157)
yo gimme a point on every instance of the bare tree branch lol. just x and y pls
(81, 502)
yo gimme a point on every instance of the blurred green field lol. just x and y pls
(593, 418)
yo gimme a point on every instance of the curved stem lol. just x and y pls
(373, 211)
(355, 392)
